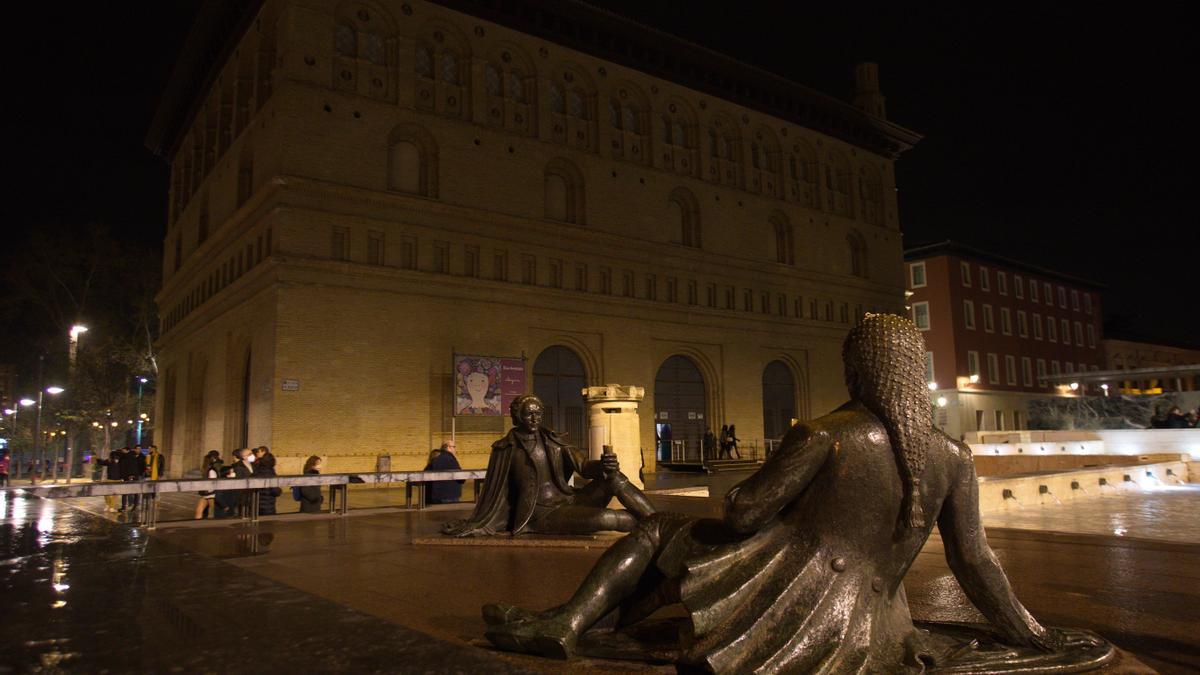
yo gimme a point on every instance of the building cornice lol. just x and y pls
(954, 248)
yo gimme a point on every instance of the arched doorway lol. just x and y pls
(679, 406)
(779, 400)
(559, 379)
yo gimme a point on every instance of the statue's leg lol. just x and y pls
(599, 492)
(615, 577)
(575, 519)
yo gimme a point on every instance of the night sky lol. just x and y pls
(1059, 138)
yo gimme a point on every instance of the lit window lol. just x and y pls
(921, 315)
(917, 275)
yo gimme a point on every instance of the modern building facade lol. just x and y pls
(361, 190)
(1146, 357)
(999, 332)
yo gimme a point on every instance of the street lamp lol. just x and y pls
(76, 331)
(37, 428)
(141, 383)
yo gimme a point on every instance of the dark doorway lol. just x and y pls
(559, 379)
(244, 429)
(779, 400)
(680, 402)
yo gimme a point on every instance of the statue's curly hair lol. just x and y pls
(885, 370)
(514, 408)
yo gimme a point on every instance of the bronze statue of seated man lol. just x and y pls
(528, 485)
(804, 573)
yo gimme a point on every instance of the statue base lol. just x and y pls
(600, 540)
(955, 647)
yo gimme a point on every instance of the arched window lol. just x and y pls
(679, 149)
(510, 86)
(412, 161)
(564, 192)
(725, 152)
(572, 102)
(857, 249)
(558, 379)
(685, 211)
(765, 162)
(803, 172)
(680, 404)
(629, 114)
(870, 187)
(364, 39)
(785, 248)
(837, 180)
(442, 66)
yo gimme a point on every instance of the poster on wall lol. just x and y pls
(486, 385)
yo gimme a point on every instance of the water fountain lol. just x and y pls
(1045, 490)
(1007, 494)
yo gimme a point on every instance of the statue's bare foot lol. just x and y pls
(543, 637)
(500, 614)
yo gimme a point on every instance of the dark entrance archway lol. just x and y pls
(679, 407)
(559, 379)
(779, 399)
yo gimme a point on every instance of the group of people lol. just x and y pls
(1175, 419)
(126, 464)
(725, 446)
(252, 463)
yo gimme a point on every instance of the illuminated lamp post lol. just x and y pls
(37, 426)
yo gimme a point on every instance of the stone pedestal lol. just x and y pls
(613, 420)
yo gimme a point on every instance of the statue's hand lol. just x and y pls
(610, 464)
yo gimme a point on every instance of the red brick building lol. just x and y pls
(999, 332)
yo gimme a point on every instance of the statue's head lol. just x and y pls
(526, 411)
(885, 371)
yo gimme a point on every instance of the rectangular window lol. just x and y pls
(979, 420)
(1010, 370)
(1016, 420)
(1002, 283)
(672, 292)
(798, 307)
(1078, 334)
(651, 287)
(993, 368)
(1005, 321)
(929, 375)
(471, 261)
(1026, 371)
(988, 325)
(965, 268)
(999, 420)
(829, 310)
(1033, 290)
(627, 284)
(1087, 303)
(1022, 322)
(1037, 326)
(1066, 332)
(710, 295)
(1083, 367)
(441, 257)
(1048, 293)
(1051, 329)
(921, 315)
(606, 281)
(1069, 367)
(1091, 333)
(844, 311)
(1075, 300)
(581, 277)
(781, 305)
(500, 266)
(408, 253)
(764, 304)
(339, 248)
(693, 294)
(1055, 368)
(973, 364)
(556, 273)
(969, 314)
(985, 282)
(1041, 372)
(916, 275)
(812, 309)
(1062, 297)
(374, 247)
(1019, 286)
(748, 300)
(528, 270)
(730, 298)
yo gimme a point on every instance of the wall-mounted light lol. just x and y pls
(974, 378)
(933, 386)
(1074, 386)
(941, 401)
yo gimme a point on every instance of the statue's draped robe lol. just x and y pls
(507, 507)
(815, 586)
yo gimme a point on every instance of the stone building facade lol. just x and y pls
(360, 190)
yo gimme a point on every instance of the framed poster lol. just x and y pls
(486, 385)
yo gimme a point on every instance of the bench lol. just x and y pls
(418, 480)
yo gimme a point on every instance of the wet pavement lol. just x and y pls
(354, 593)
(1166, 513)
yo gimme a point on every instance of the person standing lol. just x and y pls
(310, 495)
(212, 471)
(723, 442)
(733, 441)
(154, 464)
(4, 462)
(444, 491)
(243, 467)
(132, 468)
(265, 468)
(708, 444)
(112, 473)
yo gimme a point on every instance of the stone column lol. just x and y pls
(613, 420)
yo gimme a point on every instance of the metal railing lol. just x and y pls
(148, 491)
